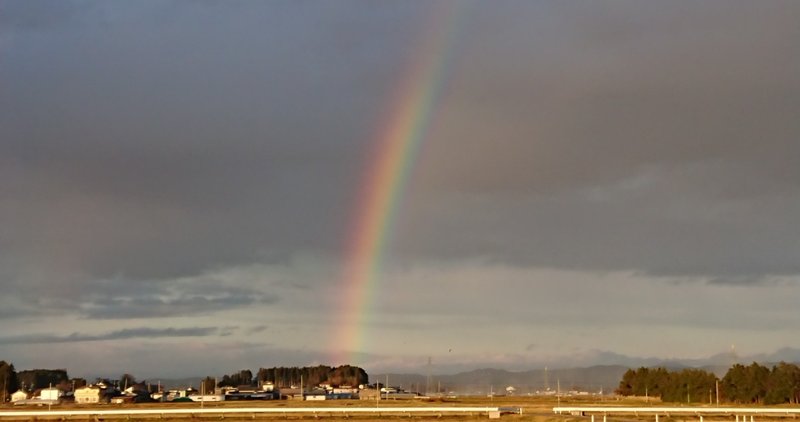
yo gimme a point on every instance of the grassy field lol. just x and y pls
(537, 409)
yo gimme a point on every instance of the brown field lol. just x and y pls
(536, 409)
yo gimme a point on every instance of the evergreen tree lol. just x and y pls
(315, 375)
(746, 384)
(689, 386)
(8, 380)
(34, 379)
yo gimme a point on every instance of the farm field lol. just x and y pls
(529, 406)
(536, 409)
(533, 408)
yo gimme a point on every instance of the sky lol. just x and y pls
(594, 182)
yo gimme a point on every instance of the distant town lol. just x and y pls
(54, 386)
(741, 384)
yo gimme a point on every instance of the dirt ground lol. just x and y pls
(536, 409)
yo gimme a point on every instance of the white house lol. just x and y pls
(51, 394)
(88, 394)
(19, 395)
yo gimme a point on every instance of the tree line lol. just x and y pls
(8, 380)
(751, 384)
(34, 379)
(282, 376)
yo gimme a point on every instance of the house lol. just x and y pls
(51, 393)
(19, 395)
(89, 394)
(140, 392)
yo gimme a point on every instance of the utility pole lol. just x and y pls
(716, 384)
(546, 380)
(558, 390)
(428, 380)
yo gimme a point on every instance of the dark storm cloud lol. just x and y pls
(629, 85)
(157, 148)
(151, 141)
(124, 334)
(130, 298)
(646, 137)
(171, 160)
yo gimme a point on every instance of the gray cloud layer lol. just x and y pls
(124, 334)
(175, 160)
(161, 148)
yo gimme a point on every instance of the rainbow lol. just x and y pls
(396, 147)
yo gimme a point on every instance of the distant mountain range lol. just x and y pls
(604, 376)
(483, 381)
(594, 371)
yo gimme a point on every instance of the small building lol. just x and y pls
(316, 395)
(345, 389)
(19, 395)
(291, 393)
(207, 397)
(51, 393)
(369, 394)
(247, 389)
(180, 393)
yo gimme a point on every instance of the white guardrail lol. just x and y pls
(738, 412)
(247, 410)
